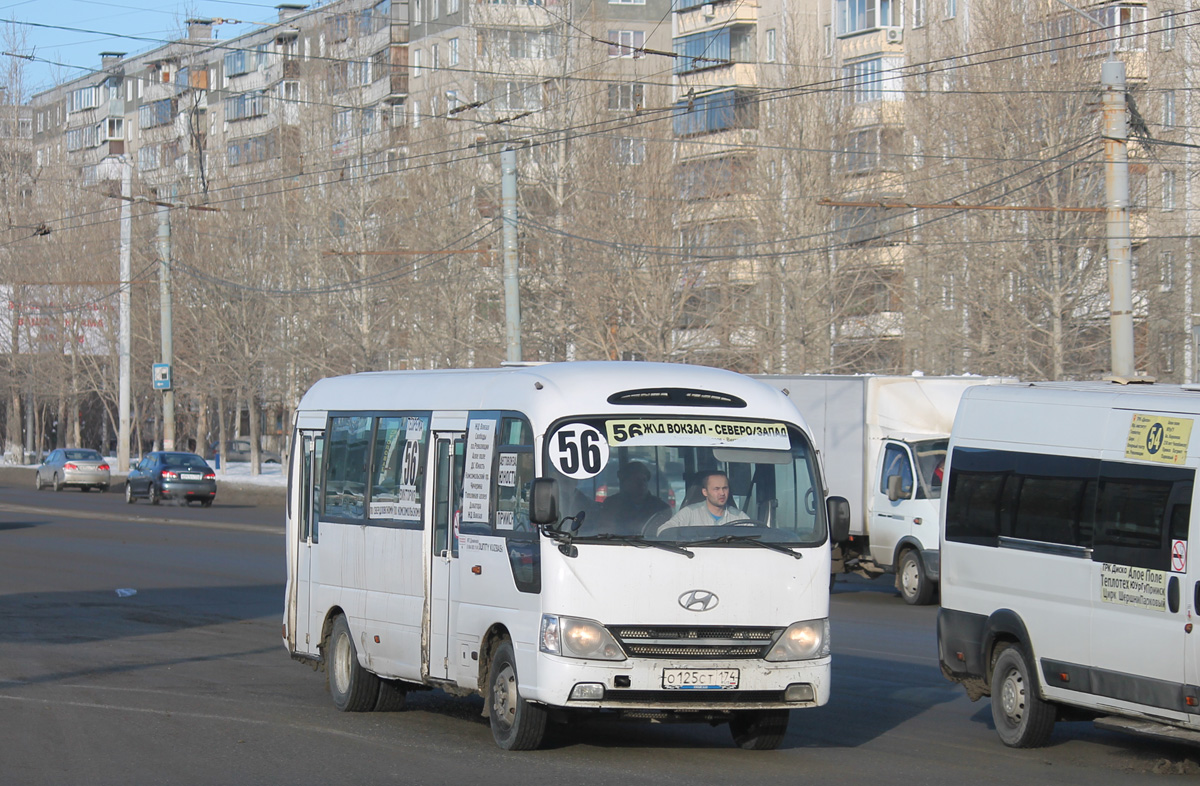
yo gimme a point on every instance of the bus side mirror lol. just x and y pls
(839, 519)
(895, 491)
(543, 501)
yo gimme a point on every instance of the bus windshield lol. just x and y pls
(682, 480)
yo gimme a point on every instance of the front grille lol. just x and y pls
(694, 643)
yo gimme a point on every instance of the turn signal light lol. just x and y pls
(1191, 701)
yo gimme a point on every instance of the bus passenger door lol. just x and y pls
(448, 455)
(309, 448)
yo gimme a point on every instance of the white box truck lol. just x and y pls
(883, 441)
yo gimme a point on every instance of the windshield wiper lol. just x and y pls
(640, 542)
(751, 539)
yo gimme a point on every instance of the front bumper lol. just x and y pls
(637, 684)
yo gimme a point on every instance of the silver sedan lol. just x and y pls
(80, 467)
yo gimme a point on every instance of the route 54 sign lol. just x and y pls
(162, 376)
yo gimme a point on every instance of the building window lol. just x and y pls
(628, 151)
(714, 48)
(416, 114)
(626, 97)
(918, 13)
(626, 43)
(771, 46)
(1166, 271)
(951, 9)
(626, 2)
(83, 98)
(855, 16)
(452, 51)
(829, 40)
(719, 111)
(1126, 26)
(240, 107)
(1169, 25)
(416, 63)
(434, 9)
(873, 80)
(236, 63)
(290, 91)
(451, 6)
(435, 57)
(1168, 118)
(1168, 190)
(158, 113)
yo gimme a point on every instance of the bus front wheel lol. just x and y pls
(517, 725)
(354, 689)
(759, 730)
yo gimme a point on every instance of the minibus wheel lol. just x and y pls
(759, 730)
(517, 725)
(354, 689)
(1022, 719)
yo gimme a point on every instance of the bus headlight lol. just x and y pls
(575, 638)
(802, 641)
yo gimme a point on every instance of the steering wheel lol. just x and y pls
(743, 523)
(657, 519)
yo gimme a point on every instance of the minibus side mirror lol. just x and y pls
(543, 501)
(839, 519)
(894, 490)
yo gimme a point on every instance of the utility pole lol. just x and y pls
(1116, 203)
(1116, 187)
(165, 319)
(123, 396)
(512, 292)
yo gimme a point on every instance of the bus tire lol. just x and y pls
(354, 689)
(759, 730)
(911, 580)
(392, 696)
(517, 725)
(1022, 719)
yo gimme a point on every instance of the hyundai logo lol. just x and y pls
(699, 600)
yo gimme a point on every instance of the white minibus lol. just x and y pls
(1067, 589)
(644, 540)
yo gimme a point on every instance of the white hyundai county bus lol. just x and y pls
(513, 532)
(1068, 590)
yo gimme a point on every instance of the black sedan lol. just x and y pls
(165, 475)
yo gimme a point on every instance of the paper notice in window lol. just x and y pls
(477, 474)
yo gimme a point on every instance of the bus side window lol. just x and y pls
(346, 483)
(398, 486)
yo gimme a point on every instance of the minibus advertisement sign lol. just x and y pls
(1158, 438)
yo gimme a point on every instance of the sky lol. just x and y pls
(66, 37)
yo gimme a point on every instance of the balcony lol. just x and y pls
(693, 16)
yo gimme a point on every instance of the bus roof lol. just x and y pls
(547, 392)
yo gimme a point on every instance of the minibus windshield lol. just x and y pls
(686, 480)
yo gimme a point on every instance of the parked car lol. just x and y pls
(239, 450)
(80, 467)
(168, 475)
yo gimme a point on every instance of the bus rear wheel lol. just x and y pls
(517, 725)
(759, 730)
(1022, 719)
(354, 689)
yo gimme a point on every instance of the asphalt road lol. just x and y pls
(186, 682)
